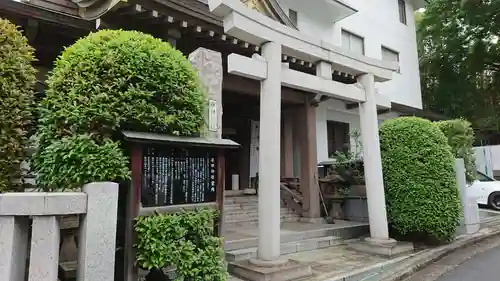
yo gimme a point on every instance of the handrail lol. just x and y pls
(292, 199)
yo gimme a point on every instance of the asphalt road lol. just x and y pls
(477, 262)
(484, 266)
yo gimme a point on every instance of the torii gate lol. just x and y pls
(275, 40)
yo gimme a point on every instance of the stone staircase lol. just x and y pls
(241, 217)
(243, 210)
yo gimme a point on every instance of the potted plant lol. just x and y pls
(350, 187)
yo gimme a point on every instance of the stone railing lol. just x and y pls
(37, 255)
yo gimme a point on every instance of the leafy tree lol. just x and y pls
(460, 60)
(17, 81)
(461, 138)
(106, 82)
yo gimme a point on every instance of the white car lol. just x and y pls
(487, 191)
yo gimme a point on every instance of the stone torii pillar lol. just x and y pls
(379, 241)
(269, 156)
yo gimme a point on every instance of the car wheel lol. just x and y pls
(494, 201)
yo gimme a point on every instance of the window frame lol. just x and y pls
(488, 179)
(350, 36)
(403, 15)
(391, 50)
(333, 127)
(295, 19)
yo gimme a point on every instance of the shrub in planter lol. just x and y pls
(17, 81)
(422, 197)
(114, 80)
(461, 139)
(184, 241)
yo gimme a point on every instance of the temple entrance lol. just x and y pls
(239, 111)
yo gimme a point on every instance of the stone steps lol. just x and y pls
(244, 243)
(245, 210)
(287, 247)
(245, 206)
(235, 217)
(254, 220)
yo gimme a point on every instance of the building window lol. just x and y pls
(402, 11)
(294, 18)
(353, 43)
(337, 137)
(390, 55)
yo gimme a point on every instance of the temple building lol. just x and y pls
(297, 79)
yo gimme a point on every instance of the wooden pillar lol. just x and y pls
(308, 161)
(244, 161)
(287, 164)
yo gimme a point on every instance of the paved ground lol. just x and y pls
(477, 262)
(484, 266)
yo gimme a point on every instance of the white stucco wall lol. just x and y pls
(335, 110)
(377, 21)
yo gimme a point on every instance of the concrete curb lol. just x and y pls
(430, 256)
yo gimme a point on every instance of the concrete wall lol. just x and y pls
(97, 206)
(377, 21)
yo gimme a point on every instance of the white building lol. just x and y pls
(380, 29)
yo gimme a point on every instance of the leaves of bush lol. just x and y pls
(17, 81)
(461, 139)
(419, 177)
(114, 80)
(73, 161)
(183, 240)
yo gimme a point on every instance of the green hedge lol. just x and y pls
(73, 161)
(461, 139)
(422, 197)
(114, 80)
(183, 240)
(17, 82)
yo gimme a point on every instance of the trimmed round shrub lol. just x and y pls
(422, 196)
(115, 80)
(17, 82)
(461, 140)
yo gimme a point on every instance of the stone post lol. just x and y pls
(470, 221)
(372, 161)
(209, 66)
(13, 247)
(44, 257)
(269, 154)
(97, 245)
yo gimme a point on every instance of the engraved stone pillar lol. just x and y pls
(209, 66)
